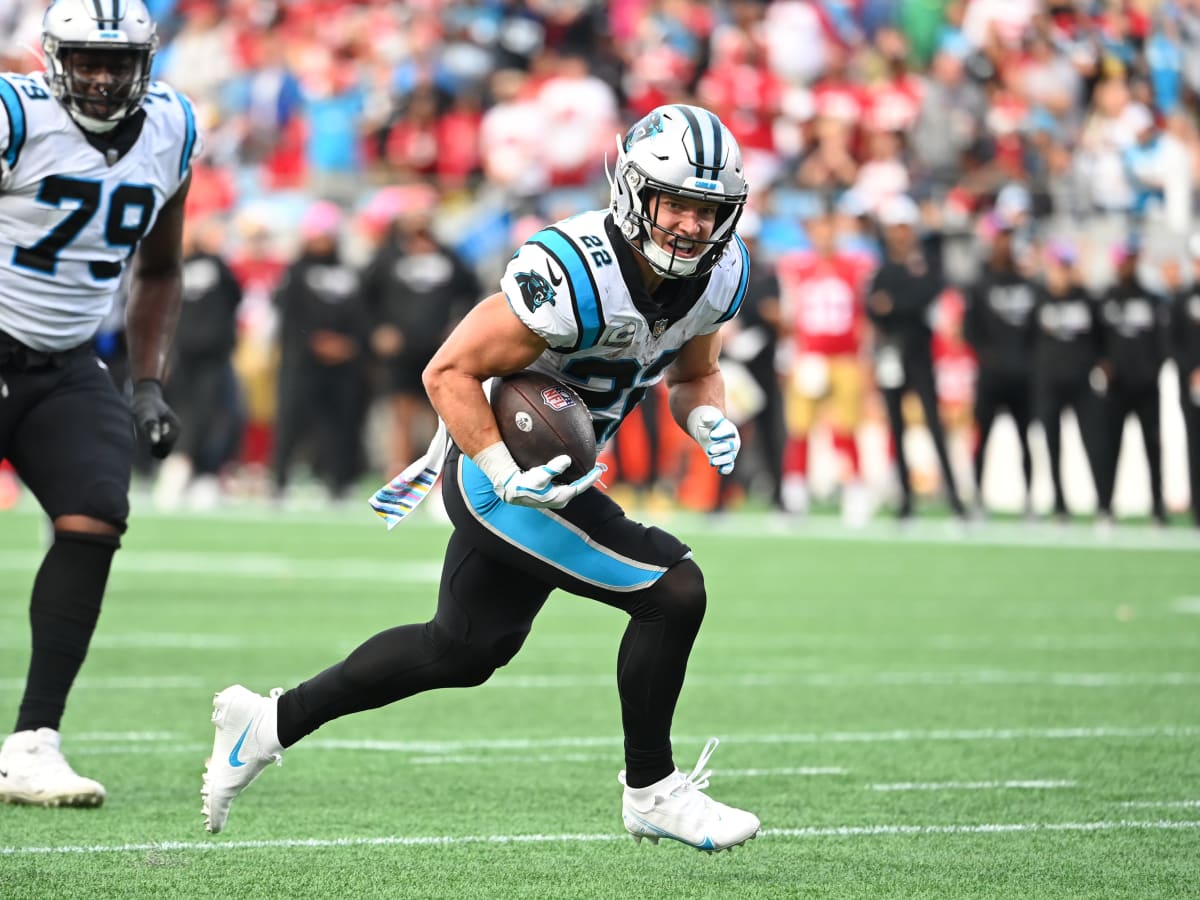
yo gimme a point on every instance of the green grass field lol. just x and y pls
(1013, 712)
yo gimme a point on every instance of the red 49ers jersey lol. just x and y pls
(823, 299)
(955, 369)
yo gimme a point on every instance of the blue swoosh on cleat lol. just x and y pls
(706, 844)
(233, 754)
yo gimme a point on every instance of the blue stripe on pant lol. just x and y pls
(550, 538)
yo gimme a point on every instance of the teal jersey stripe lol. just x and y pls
(587, 302)
(189, 139)
(548, 538)
(740, 294)
(16, 122)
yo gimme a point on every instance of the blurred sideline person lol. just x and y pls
(1185, 350)
(670, 270)
(96, 163)
(752, 339)
(323, 332)
(415, 289)
(899, 303)
(955, 372)
(259, 267)
(999, 327)
(1133, 324)
(1066, 348)
(822, 293)
(201, 385)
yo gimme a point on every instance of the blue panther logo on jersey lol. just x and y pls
(648, 125)
(535, 289)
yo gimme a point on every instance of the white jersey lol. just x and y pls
(69, 220)
(565, 283)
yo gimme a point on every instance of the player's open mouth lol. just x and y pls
(684, 248)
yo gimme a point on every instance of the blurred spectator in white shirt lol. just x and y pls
(513, 129)
(580, 116)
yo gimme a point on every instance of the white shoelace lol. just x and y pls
(698, 778)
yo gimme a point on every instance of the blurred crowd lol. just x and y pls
(369, 167)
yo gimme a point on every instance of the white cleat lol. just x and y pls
(677, 808)
(246, 743)
(34, 772)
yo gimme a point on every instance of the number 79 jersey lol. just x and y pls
(69, 220)
(566, 284)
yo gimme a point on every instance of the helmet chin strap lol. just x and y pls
(667, 264)
(96, 126)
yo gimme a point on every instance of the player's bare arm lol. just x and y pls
(697, 399)
(694, 379)
(156, 290)
(490, 341)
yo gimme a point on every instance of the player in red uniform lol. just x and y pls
(822, 294)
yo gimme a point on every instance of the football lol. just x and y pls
(541, 418)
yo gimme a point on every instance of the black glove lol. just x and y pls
(157, 421)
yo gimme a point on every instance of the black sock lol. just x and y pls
(62, 614)
(651, 664)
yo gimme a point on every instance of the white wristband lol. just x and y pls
(496, 463)
(701, 420)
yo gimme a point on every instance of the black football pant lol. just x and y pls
(1051, 400)
(993, 394)
(1144, 402)
(491, 591)
(1191, 422)
(769, 433)
(919, 379)
(322, 404)
(69, 435)
(204, 394)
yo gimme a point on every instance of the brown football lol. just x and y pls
(541, 418)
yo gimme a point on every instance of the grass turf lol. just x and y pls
(1006, 713)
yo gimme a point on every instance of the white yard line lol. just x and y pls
(803, 771)
(123, 683)
(116, 736)
(455, 840)
(252, 565)
(812, 643)
(426, 751)
(752, 526)
(568, 644)
(1162, 804)
(475, 759)
(970, 678)
(970, 785)
(1188, 606)
(557, 643)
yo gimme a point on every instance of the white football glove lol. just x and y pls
(717, 436)
(532, 487)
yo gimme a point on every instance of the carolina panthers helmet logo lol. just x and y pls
(644, 128)
(535, 289)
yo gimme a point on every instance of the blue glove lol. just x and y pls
(716, 435)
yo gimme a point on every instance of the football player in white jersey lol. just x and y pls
(95, 162)
(609, 302)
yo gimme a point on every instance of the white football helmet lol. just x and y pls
(685, 151)
(98, 55)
